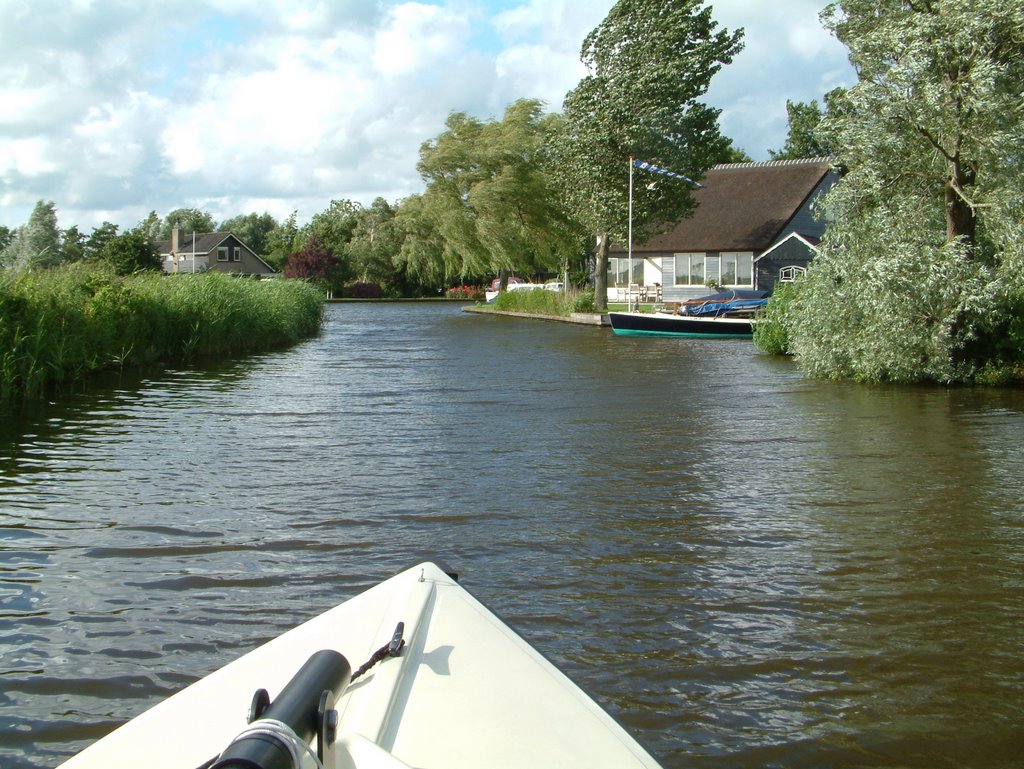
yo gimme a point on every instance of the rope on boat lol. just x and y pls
(392, 648)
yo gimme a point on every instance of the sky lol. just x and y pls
(115, 108)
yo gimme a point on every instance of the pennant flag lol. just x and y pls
(643, 165)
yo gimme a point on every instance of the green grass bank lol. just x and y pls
(58, 326)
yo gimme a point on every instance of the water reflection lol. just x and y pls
(746, 568)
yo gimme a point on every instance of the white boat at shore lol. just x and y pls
(461, 690)
(519, 285)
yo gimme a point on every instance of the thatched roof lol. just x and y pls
(742, 207)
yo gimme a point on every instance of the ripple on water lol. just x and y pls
(744, 567)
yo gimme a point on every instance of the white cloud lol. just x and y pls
(26, 157)
(785, 55)
(116, 108)
(416, 38)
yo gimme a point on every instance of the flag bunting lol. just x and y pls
(643, 165)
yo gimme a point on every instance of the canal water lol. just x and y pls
(745, 568)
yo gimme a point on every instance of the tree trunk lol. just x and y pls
(601, 273)
(960, 219)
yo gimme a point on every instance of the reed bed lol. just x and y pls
(58, 326)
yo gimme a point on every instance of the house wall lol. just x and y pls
(673, 293)
(804, 221)
(712, 273)
(792, 253)
(248, 264)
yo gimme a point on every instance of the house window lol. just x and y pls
(618, 271)
(690, 269)
(222, 253)
(737, 269)
(238, 254)
(789, 274)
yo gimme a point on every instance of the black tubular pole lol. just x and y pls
(295, 706)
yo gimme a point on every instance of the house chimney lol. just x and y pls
(174, 241)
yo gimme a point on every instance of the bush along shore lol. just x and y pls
(58, 326)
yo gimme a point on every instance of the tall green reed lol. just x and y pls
(58, 326)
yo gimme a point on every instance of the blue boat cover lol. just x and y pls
(725, 302)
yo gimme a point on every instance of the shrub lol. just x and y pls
(537, 301)
(474, 293)
(770, 332)
(584, 301)
(362, 291)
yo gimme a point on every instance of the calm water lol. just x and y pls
(746, 568)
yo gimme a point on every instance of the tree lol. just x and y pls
(131, 252)
(187, 220)
(315, 263)
(153, 227)
(421, 254)
(98, 238)
(282, 241)
(10, 254)
(374, 246)
(333, 229)
(36, 244)
(490, 197)
(919, 276)
(733, 154)
(42, 236)
(649, 63)
(802, 141)
(72, 245)
(252, 229)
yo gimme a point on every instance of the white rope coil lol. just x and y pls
(297, 747)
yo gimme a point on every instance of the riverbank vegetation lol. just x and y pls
(59, 325)
(541, 301)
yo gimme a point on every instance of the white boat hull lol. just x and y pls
(466, 692)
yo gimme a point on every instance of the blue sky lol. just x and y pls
(114, 108)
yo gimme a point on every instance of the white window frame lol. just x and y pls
(790, 273)
(619, 266)
(222, 253)
(735, 257)
(684, 278)
(237, 254)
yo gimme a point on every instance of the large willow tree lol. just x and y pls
(489, 203)
(649, 63)
(920, 274)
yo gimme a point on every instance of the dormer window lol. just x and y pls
(789, 274)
